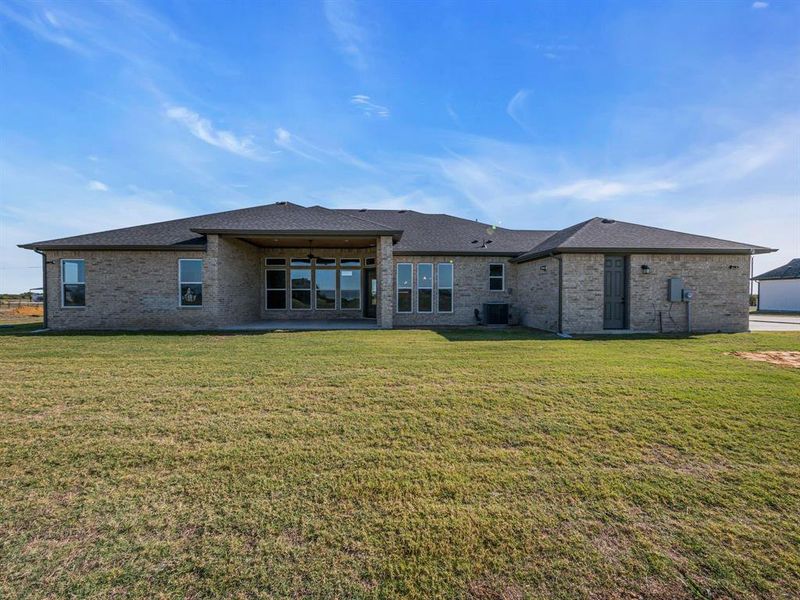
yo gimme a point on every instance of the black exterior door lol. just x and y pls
(614, 293)
(370, 293)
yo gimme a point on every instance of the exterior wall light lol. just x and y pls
(543, 267)
(645, 270)
(733, 266)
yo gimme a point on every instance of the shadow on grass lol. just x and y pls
(456, 334)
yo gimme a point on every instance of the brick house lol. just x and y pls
(393, 268)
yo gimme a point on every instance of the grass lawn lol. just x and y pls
(382, 464)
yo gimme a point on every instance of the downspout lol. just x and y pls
(44, 285)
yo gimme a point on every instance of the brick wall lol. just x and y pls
(385, 265)
(239, 273)
(128, 290)
(721, 294)
(537, 293)
(470, 290)
(582, 292)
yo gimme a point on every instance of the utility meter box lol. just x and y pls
(675, 289)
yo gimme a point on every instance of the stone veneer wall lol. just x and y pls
(130, 290)
(721, 294)
(537, 293)
(385, 266)
(471, 290)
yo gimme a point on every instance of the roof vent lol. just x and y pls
(362, 210)
(281, 203)
(607, 221)
(402, 211)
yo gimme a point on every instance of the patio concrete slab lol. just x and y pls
(304, 325)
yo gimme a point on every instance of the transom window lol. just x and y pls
(425, 287)
(497, 277)
(190, 281)
(73, 283)
(444, 284)
(405, 274)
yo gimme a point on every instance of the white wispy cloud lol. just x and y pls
(97, 186)
(760, 5)
(203, 129)
(43, 24)
(368, 107)
(344, 20)
(300, 146)
(593, 190)
(518, 106)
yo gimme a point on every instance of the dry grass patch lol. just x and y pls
(775, 357)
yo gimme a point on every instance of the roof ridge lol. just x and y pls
(338, 211)
(700, 235)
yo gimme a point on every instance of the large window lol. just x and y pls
(73, 283)
(276, 284)
(404, 287)
(301, 288)
(325, 283)
(190, 278)
(444, 284)
(425, 287)
(349, 288)
(497, 277)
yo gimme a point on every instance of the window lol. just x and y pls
(497, 277)
(404, 287)
(190, 281)
(370, 262)
(425, 287)
(350, 262)
(301, 262)
(73, 283)
(276, 262)
(350, 288)
(325, 283)
(276, 287)
(326, 262)
(301, 288)
(444, 284)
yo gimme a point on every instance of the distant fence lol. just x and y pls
(7, 303)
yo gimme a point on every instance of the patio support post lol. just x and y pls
(385, 281)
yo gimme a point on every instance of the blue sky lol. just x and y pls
(683, 115)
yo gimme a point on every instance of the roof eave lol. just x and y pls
(395, 233)
(550, 252)
(174, 247)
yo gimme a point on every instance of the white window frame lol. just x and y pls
(451, 288)
(418, 288)
(311, 291)
(180, 283)
(502, 277)
(83, 283)
(333, 269)
(398, 288)
(267, 289)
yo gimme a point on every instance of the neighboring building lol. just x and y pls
(779, 289)
(37, 294)
(397, 267)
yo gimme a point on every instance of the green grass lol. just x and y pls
(382, 464)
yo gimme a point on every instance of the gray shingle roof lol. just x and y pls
(413, 232)
(608, 235)
(790, 270)
(445, 234)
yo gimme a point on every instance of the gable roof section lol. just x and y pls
(412, 231)
(283, 217)
(608, 235)
(442, 234)
(790, 270)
